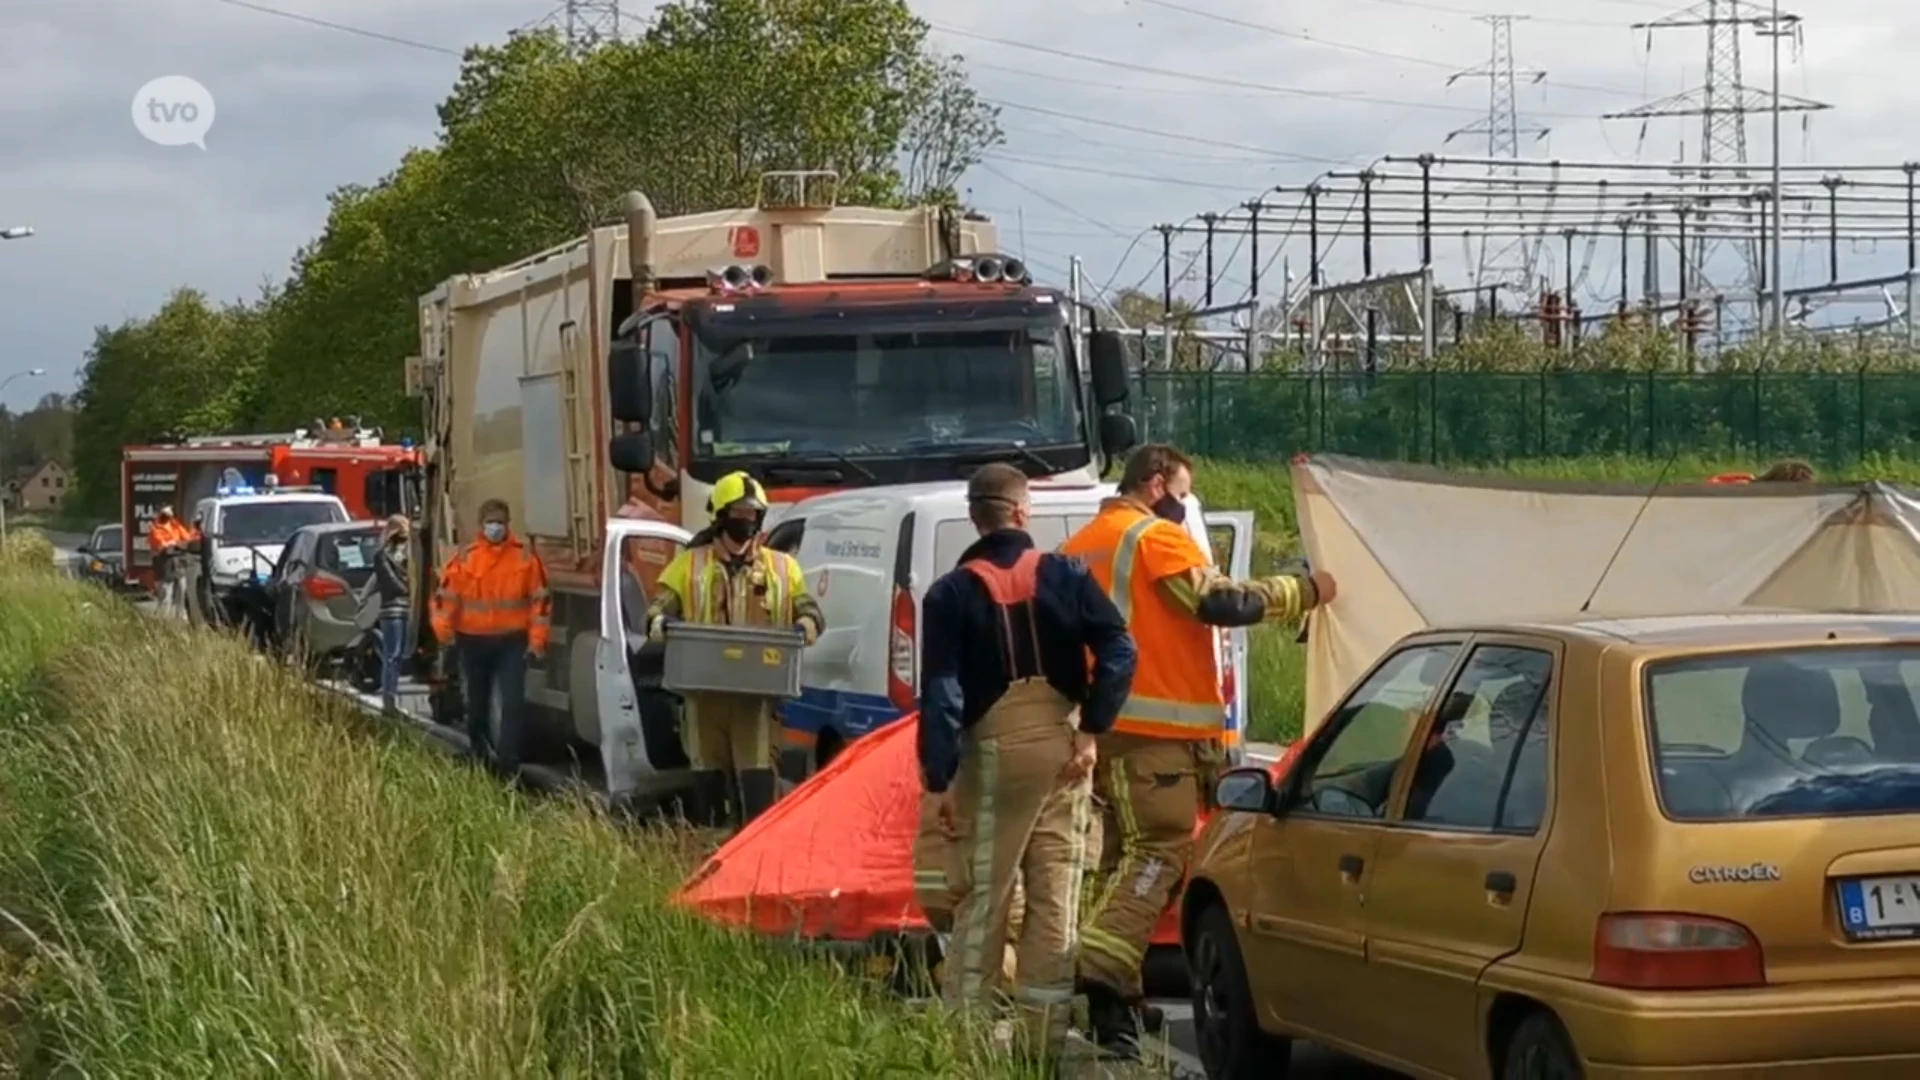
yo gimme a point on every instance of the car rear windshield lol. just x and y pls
(350, 554)
(1787, 733)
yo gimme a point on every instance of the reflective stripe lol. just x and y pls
(488, 607)
(1154, 710)
(974, 907)
(930, 879)
(1121, 588)
(1044, 995)
(1097, 940)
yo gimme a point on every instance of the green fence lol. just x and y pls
(1485, 418)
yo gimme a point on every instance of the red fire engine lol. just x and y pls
(370, 476)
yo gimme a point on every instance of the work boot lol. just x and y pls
(1151, 1017)
(758, 788)
(1112, 1022)
(705, 803)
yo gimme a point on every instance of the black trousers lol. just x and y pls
(490, 665)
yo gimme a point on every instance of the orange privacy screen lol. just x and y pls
(834, 859)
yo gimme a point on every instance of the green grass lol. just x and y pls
(1276, 665)
(208, 871)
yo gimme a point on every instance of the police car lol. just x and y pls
(873, 550)
(244, 530)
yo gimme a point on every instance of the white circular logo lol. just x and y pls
(173, 110)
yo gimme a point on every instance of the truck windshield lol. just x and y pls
(273, 522)
(892, 390)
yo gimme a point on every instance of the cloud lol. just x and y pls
(304, 109)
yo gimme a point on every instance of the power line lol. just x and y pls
(1090, 170)
(1364, 50)
(1220, 80)
(343, 28)
(1051, 201)
(1198, 140)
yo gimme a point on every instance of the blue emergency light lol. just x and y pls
(225, 490)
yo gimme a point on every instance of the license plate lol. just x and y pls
(1880, 907)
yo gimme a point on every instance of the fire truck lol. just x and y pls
(372, 477)
(602, 386)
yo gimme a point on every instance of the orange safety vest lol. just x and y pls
(1176, 686)
(165, 534)
(493, 589)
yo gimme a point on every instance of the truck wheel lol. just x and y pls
(1540, 1049)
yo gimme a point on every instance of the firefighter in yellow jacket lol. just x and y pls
(727, 577)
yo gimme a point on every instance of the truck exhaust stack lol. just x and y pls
(638, 210)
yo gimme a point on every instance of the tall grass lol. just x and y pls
(1276, 665)
(209, 871)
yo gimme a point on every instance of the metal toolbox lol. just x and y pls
(756, 660)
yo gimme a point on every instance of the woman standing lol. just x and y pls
(391, 573)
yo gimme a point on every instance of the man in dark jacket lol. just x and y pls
(395, 582)
(1004, 646)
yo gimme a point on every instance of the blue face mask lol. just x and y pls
(494, 531)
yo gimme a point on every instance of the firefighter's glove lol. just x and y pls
(809, 633)
(657, 629)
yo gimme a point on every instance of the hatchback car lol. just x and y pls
(1683, 846)
(322, 589)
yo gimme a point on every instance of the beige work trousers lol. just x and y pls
(933, 853)
(1019, 824)
(1148, 794)
(731, 732)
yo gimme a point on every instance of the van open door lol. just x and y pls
(1231, 533)
(636, 723)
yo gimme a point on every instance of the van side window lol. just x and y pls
(787, 535)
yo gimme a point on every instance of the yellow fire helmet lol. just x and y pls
(734, 489)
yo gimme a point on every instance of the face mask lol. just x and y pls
(495, 531)
(739, 530)
(1171, 509)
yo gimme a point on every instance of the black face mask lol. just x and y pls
(739, 530)
(1172, 509)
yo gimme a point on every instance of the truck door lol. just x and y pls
(638, 724)
(1232, 534)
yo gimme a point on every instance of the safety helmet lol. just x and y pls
(736, 489)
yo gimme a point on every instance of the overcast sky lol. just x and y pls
(1143, 124)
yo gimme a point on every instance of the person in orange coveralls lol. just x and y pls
(493, 608)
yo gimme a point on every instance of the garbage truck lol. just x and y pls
(602, 386)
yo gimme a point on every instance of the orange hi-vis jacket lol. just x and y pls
(493, 589)
(165, 534)
(1176, 686)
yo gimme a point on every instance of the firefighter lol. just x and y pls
(727, 577)
(493, 608)
(1009, 710)
(167, 538)
(1158, 764)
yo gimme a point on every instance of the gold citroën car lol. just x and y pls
(1662, 847)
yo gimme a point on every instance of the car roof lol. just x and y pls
(1743, 629)
(328, 528)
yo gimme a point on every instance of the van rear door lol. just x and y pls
(1231, 534)
(637, 733)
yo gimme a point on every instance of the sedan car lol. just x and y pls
(102, 560)
(1681, 846)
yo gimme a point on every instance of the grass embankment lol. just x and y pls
(1276, 665)
(207, 871)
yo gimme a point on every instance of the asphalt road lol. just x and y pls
(1310, 1062)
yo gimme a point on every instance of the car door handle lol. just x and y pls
(1499, 881)
(1351, 865)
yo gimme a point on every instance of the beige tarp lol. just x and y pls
(1413, 547)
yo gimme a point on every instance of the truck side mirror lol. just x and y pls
(631, 452)
(628, 385)
(1117, 434)
(1107, 364)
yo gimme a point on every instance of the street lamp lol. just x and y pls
(17, 232)
(30, 373)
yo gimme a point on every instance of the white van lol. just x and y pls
(869, 556)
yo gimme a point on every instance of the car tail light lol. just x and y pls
(1661, 951)
(322, 588)
(900, 659)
